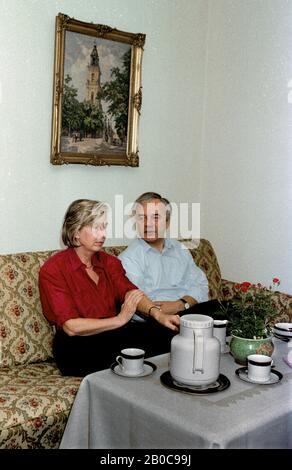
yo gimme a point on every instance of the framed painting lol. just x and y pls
(97, 94)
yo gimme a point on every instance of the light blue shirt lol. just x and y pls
(167, 275)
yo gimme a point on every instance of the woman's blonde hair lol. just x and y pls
(80, 213)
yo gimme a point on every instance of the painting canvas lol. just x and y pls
(97, 94)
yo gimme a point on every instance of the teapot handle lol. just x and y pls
(198, 353)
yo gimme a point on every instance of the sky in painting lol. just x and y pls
(78, 48)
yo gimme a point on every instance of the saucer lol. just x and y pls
(220, 384)
(148, 369)
(275, 377)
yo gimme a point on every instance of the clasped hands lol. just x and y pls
(166, 315)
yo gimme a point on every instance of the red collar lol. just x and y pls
(76, 262)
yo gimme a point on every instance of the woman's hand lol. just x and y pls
(165, 319)
(129, 307)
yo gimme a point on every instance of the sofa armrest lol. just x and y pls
(228, 290)
(282, 301)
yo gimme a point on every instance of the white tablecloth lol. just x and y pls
(115, 412)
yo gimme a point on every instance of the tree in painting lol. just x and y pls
(116, 93)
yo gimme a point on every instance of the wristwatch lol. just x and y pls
(187, 305)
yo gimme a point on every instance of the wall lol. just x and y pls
(240, 171)
(34, 194)
(246, 178)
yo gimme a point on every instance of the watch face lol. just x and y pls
(187, 305)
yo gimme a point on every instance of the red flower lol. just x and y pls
(21, 347)
(29, 291)
(276, 280)
(3, 332)
(16, 310)
(37, 423)
(244, 288)
(246, 284)
(33, 402)
(11, 274)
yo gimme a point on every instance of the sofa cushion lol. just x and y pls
(35, 401)
(25, 335)
(205, 257)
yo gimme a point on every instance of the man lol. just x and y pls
(162, 267)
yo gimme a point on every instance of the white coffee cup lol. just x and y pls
(259, 367)
(219, 331)
(131, 361)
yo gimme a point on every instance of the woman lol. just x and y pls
(86, 295)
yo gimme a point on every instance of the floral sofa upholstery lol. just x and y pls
(35, 399)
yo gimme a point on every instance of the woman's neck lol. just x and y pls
(84, 255)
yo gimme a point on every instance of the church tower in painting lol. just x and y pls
(93, 79)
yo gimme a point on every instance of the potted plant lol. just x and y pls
(250, 313)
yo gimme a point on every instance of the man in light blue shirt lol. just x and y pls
(162, 268)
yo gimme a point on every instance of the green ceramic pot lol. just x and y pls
(240, 348)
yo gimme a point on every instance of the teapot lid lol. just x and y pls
(196, 321)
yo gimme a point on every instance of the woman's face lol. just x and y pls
(92, 237)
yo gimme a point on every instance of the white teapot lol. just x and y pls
(195, 352)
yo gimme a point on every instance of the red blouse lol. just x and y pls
(67, 292)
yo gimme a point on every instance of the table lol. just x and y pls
(113, 412)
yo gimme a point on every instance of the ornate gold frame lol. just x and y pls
(129, 157)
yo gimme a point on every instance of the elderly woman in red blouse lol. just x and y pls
(87, 296)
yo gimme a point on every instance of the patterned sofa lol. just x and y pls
(35, 399)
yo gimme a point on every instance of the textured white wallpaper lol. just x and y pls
(247, 148)
(216, 124)
(34, 194)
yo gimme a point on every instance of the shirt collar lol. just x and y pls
(76, 262)
(147, 247)
(167, 243)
